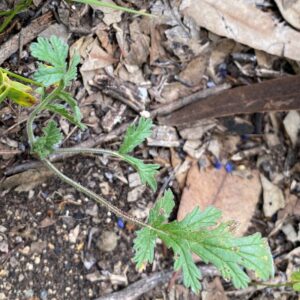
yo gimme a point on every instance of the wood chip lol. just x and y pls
(29, 33)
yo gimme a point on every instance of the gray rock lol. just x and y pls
(108, 241)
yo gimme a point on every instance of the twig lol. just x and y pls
(168, 108)
(135, 290)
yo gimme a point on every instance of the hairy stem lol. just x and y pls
(89, 151)
(272, 285)
(94, 196)
(29, 126)
(21, 78)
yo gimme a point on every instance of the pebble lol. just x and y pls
(29, 266)
(134, 180)
(37, 260)
(2, 296)
(94, 277)
(73, 235)
(3, 229)
(4, 247)
(108, 241)
(136, 193)
(25, 250)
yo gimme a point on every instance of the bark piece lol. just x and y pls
(164, 136)
(272, 95)
(245, 24)
(28, 34)
(235, 196)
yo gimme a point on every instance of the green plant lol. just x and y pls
(199, 232)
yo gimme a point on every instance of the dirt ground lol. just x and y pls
(57, 244)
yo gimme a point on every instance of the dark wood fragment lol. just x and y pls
(126, 92)
(281, 94)
(137, 289)
(29, 33)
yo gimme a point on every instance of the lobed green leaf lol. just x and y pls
(52, 51)
(61, 110)
(135, 135)
(144, 245)
(147, 172)
(216, 245)
(45, 145)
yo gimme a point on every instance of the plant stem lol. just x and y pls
(21, 78)
(89, 151)
(94, 196)
(272, 285)
(38, 109)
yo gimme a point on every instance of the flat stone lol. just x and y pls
(136, 193)
(134, 180)
(108, 241)
(164, 136)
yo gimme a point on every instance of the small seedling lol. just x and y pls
(200, 232)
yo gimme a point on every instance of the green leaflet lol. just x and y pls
(73, 105)
(61, 110)
(135, 135)
(45, 144)
(215, 245)
(144, 245)
(53, 52)
(147, 172)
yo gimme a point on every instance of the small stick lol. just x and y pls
(179, 103)
(137, 289)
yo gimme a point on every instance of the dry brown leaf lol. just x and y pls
(273, 197)
(292, 126)
(194, 71)
(235, 196)
(290, 10)
(140, 46)
(95, 62)
(245, 24)
(111, 16)
(222, 49)
(214, 291)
